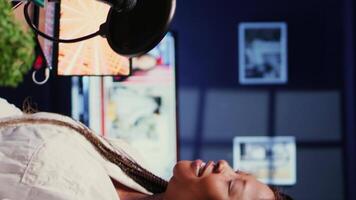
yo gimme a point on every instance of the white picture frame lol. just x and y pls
(262, 53)
(271, 159)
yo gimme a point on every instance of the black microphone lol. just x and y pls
(121, 5)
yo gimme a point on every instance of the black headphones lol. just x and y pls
(132, 28)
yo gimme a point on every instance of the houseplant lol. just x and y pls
(16, 47)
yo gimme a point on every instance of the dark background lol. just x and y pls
(316, 106)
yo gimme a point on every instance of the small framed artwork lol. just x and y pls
(271, 159)
(263, 53)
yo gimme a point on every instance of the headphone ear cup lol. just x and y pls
(139, 30)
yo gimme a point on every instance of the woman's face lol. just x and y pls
(214, 181)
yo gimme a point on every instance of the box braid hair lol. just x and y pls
(146, 179)
(143, 177)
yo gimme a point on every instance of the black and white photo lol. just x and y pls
(263, 53)
(271, 159)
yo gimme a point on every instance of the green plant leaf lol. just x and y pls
(16, 48)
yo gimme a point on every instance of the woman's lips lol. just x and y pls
(205, 167)
(200, 167)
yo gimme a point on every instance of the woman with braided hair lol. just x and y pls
(45, 156)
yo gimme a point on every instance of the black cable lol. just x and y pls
(33, 27)
(17, 5)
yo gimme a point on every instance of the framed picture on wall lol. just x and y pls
(271, 159)
(140, 110)
(263, 53)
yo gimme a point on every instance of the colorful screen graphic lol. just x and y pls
(90, 57)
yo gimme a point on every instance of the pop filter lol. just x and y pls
(139, 29)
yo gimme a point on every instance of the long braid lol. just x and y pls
(140, 175)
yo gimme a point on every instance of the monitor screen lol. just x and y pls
(78, 18)
(141, 110)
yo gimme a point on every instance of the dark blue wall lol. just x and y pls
(54, 96)
(317, 45)
(207, 40)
